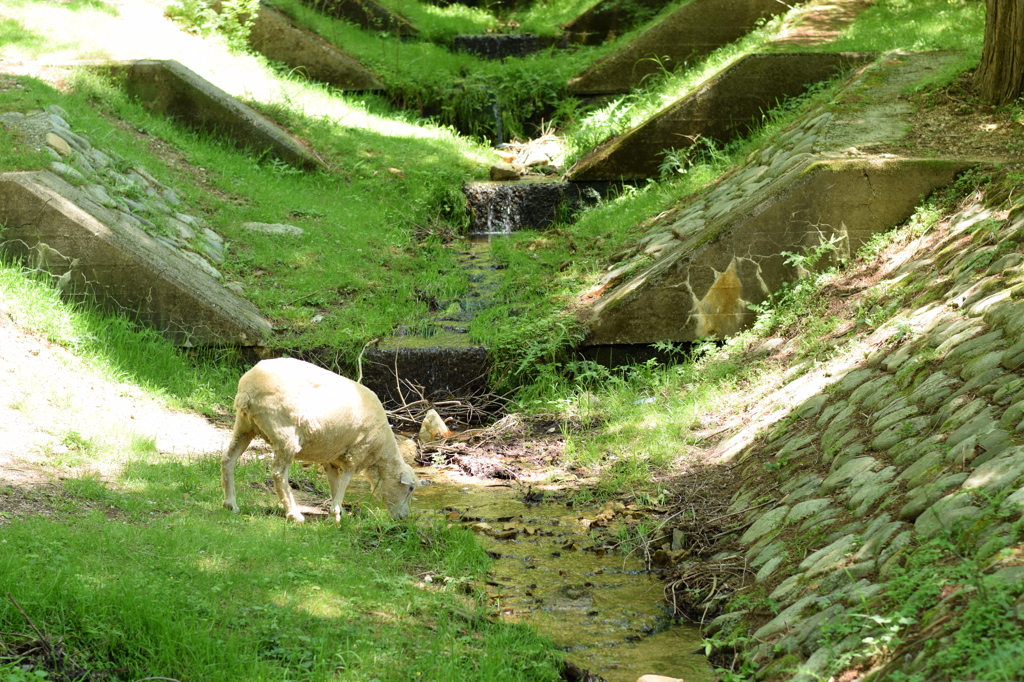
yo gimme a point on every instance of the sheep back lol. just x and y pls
(317, 415)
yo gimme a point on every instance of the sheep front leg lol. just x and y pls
(338, 479)
(283, 489)
(240, 440)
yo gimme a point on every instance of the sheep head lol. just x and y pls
(397, 490)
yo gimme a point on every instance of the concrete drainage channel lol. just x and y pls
(711, 260)
(693, 275)
(447, 364)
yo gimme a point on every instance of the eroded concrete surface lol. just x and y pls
(695, 29)
(96, 253)
(275, 36)
(171, 89)
(726, 106)
(700, 267)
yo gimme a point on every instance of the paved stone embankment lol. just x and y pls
(141, 200)
(107, 230)
(921, 437)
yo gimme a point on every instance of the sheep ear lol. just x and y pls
(408, 478)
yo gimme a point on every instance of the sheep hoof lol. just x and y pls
(231, 507)
(296, 517)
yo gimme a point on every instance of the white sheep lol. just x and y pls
(310, 414)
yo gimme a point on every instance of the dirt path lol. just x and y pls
(54, 410)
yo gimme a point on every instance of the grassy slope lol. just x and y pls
(291, 629)
(140, 573)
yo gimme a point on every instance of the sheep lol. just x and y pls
(313, 415)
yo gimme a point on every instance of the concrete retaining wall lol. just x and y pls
(168, 88)
(96, 254)
(366, 13)
(695, 29)
(722, 253)
(276, 37)
(725, 107)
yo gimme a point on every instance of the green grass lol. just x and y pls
(157, 580)
(888, 25)
(121, 349)
(371, 255)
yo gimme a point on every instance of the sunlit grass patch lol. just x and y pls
(115, 345)
(158, 582)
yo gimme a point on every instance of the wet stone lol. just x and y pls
(945, 514)
(846, 473)
(807, 508)
(768, 522)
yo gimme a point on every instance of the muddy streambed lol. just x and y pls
(554, 569)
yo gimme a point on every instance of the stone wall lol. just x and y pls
(906, 446)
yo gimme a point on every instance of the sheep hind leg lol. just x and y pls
(240, 440)
(338, 479)
(286, 447)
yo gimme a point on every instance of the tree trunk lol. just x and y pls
(1000, 75)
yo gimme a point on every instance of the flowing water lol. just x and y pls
(552, 571)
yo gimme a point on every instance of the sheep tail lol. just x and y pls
(242, 401)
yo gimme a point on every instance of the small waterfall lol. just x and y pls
(504, 207)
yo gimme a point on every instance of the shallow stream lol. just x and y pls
(552, 571)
